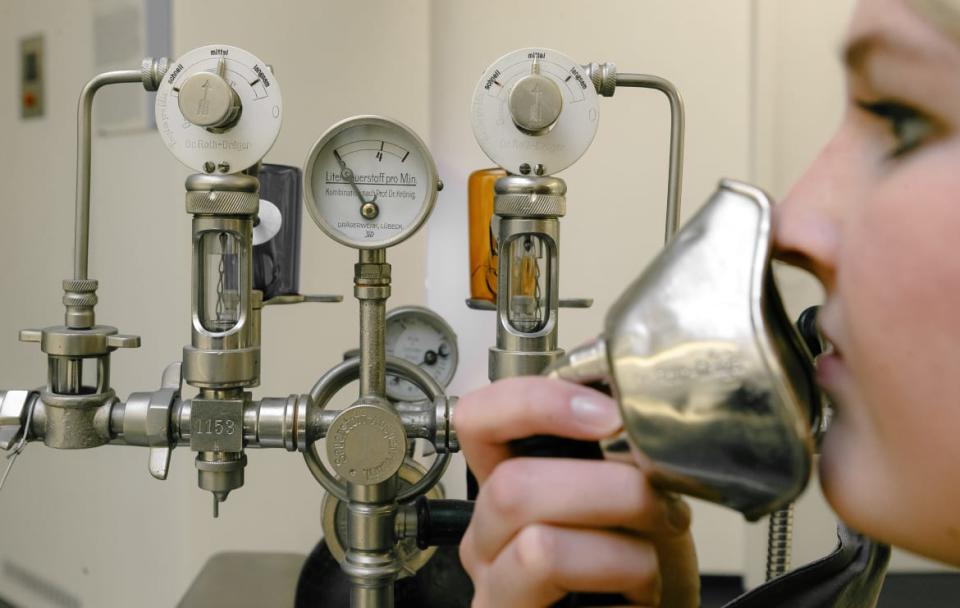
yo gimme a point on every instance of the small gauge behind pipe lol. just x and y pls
(420, 336)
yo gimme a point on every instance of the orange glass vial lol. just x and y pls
(483, 241)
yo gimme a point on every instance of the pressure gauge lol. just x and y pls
(535, 111)
(422, 337)
(218, 109)
(370, 182)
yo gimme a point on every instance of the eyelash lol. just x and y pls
(901, 119)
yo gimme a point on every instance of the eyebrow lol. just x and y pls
(857, 53)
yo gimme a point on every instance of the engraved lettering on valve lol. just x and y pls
(215, 426)
(366, 446)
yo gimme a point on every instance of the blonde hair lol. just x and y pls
(944, 14)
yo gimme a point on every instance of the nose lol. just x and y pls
(807, 222)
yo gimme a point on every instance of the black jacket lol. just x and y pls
(850, 577)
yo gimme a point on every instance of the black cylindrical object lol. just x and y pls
(546, 446)
(442, 522)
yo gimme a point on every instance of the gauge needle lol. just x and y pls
(347, 174)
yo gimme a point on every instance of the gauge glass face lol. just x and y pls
(371, 183)
(427, 342)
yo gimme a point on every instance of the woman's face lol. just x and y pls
(877, 219)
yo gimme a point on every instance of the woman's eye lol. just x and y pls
(909, 127)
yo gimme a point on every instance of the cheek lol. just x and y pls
(898, 277)
(898, 280)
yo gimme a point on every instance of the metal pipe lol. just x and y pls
(84, 120)
(373, 312)
(370, 559)
(677, 130)
(66, 378)
(362, 596)
(373, 380)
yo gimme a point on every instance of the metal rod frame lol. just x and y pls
(677, 130)
(84, 126)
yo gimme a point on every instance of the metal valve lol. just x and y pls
(146, 420)
(207, 100)
(535, 102)
(366, 443)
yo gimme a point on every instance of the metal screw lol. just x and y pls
(439, 185)
(209, 166)
(525, 169)
(539, 169)
(369, 210)
(224, 166)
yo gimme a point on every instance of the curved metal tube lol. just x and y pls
(84, 121)
(677, 128)
(341, 375)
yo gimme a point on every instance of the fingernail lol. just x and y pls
(678, 514)
(596, 412)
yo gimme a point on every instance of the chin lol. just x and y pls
(859, 498)
(843, 481)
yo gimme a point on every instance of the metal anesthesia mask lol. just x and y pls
(715, 386)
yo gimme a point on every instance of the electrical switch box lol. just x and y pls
(31, 77)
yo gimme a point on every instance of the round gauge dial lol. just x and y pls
(370, 182)
(422, 337)
(535, 111)
(218, 109)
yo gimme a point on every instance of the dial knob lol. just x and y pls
(535, 102)
(207, 99)
(243, 124)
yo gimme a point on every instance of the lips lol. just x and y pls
(825, 327)
(829, 347)
(831, 368)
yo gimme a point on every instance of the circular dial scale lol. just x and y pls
(422, 337)
(251, 111)
(370, 182)
(535, 107)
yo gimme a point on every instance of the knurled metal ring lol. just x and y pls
(220, 202)
(79, 299)
(530, 205)
(152, 71)
(341, 375)
(604, 77)
(80, 285)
